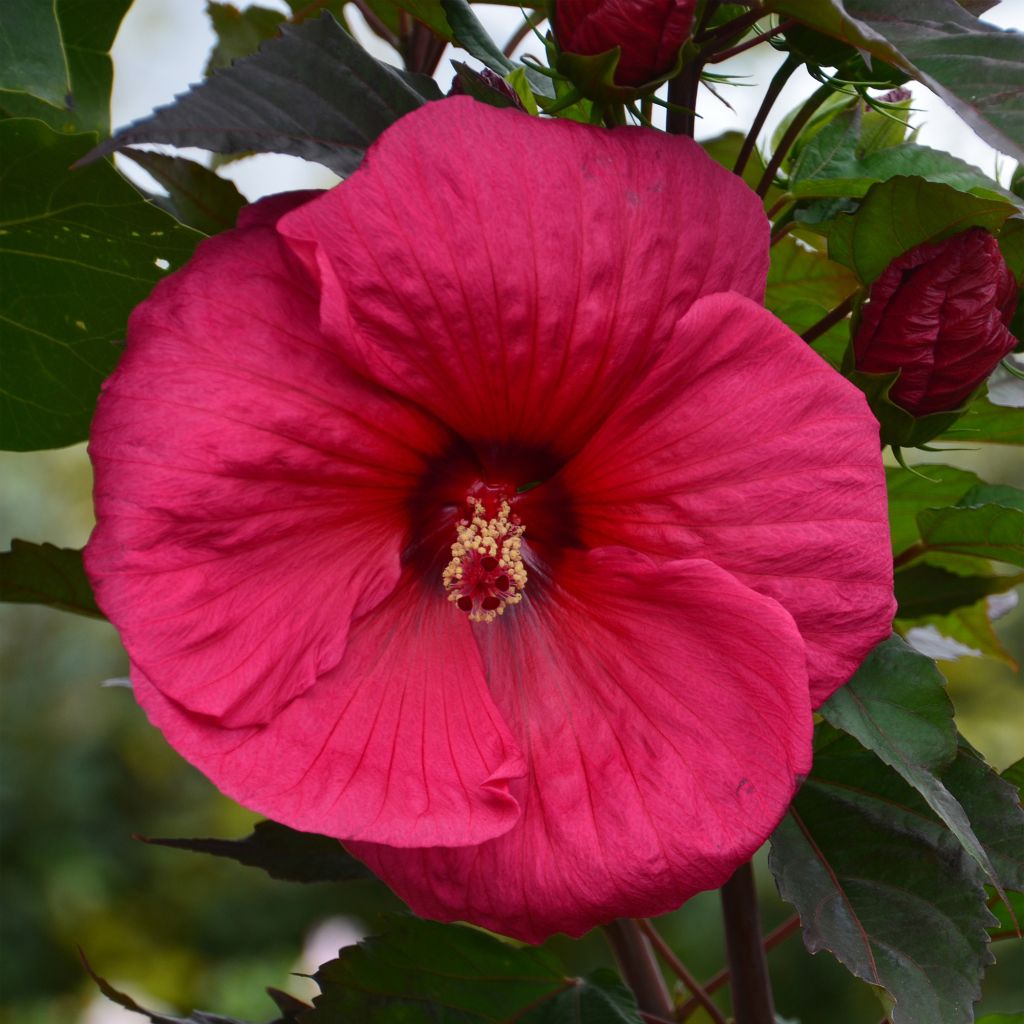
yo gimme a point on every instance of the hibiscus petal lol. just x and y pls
(745, 448)
(250, 491)
(512, 275)
(400, 744)
(663, 708)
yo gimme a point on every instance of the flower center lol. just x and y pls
(486, 573)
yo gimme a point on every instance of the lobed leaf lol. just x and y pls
(78, 251)
(420, 971)
(879, 881)
(896, 706)
(313, 92)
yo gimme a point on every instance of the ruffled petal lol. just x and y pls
(251, 492)
(513, 275)
(664, 712)
(401, 743)
(745, 448)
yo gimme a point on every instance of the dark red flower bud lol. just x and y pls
(939, 314)
(650, 33)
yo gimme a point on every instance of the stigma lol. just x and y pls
(486, 573)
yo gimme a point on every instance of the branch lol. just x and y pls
(829, 320)
(667, 954)
(639, 968)
(773, 939)
(775, 86)
(804, 115)
(751, 987)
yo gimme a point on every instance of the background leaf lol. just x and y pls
(986, 531)
(314, 93)
(988, 423)
(77, 252)
(31, 52)
(197, 196)
(420, 971)
(45, 574)
(88, 28)
(282, 852)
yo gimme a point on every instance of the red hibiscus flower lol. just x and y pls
(476, 513)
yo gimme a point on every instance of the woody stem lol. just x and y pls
(780, 78)
(827, 322)
(748, 966)
(636, 961)
(668, 955)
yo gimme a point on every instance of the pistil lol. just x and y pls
(486, 573)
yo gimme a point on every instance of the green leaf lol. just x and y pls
(282, 852)
(239, 32)
(845, 174)
(993, 805)
(898, 214)
(975, 67)
(1015, 776)
(78, 251)
(880, 882)
(988, 423)
(431, 12)
(197, 196)
(896, 706)
(970, 626)
(993, 494)
(88, 28)
(31, 52)
(470, 34)
(803, 286)
(420, 971)
(930, 590)
(932, 486)
(314, 93)
(799, 275)
(725, 150)
(985, 531)
(45, 574)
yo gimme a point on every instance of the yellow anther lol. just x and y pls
(486, 573)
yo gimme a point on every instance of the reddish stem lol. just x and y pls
(665, 951)
(761, 37)
(827, 322)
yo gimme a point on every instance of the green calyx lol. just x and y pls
(900, 428)
(594, 76)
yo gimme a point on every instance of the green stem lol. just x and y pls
(639, 968)
(804, 115)
(748, 966)
(775, 86)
